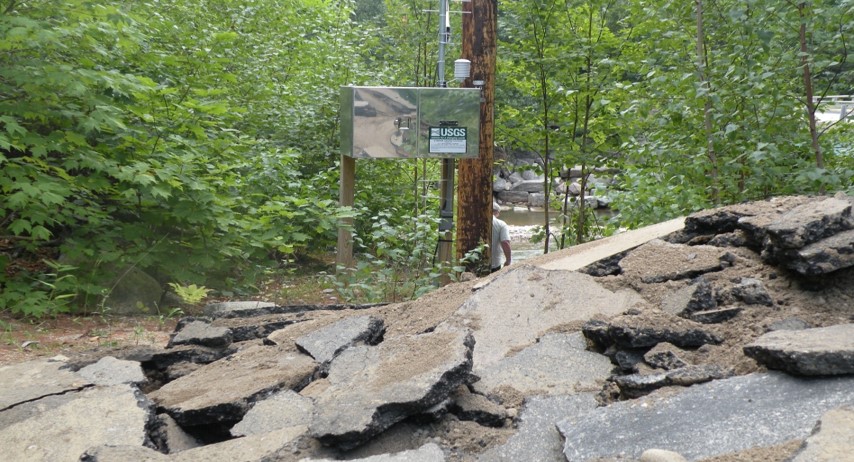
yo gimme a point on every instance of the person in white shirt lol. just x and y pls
(500, 239)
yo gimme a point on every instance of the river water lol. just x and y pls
(521, 224)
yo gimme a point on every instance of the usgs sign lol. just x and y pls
(448, 140)
(404, 122)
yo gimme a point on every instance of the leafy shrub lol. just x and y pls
(401, 265)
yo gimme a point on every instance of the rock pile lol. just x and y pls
(729, 339)
(518, 183)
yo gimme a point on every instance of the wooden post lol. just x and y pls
(474, 193)
(346, 195)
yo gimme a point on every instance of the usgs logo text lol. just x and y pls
(455, 132)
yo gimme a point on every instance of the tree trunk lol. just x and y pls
(707, 104)
(807, 74)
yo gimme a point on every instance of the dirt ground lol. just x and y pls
(24, 340)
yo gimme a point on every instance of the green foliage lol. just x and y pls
(171, 135)
(565, 72)
(757, 141)
(190, 293)
(401, 265)
(40, 294)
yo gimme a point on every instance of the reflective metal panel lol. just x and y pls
(383, 122)
(402, 122)
(449, 122)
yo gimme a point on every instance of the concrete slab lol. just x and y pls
(373, 387)
(430, 452)
(284, 409)
(254, 448)
(832, 440)
(537, 438)
(324, 343)
(558, 364)
(99, 416)
(818, 351)
(112, 371)
(579, 256)
(715, 418)
(221, 391)
(514, 309)
(225, 308)
(36, 379)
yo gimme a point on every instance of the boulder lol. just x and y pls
(536, 200)
(530, 175)
(528, 186)
(516, 197)
(133, 292)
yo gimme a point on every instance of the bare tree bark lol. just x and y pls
(474, 191)
(808, 89)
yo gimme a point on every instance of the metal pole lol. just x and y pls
(446, 213)
(444, 38)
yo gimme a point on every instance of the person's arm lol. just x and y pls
(505, 245)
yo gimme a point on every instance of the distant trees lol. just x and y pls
(699, 103)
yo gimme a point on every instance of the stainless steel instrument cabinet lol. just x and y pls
(406, 122)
